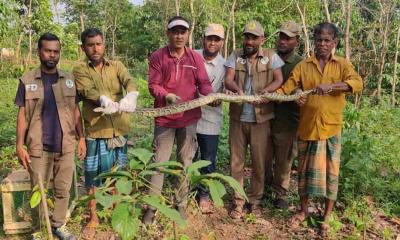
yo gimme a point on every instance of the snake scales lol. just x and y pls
(185, 106)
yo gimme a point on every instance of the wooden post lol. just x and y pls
(44, 205)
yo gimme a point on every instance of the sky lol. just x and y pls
(136, 2)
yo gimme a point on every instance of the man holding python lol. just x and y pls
(251, 71)
(321, 119)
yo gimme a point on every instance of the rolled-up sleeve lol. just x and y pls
(293, 82)
(156, 78)
(125, 78)
(352, 78)
(84, 84)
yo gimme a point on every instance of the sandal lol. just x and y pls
(89, 231)
(236, 213)
(297, 219)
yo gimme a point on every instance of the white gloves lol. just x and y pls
(128, 103)
(109, 105)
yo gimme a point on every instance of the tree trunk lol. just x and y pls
(193, 24)
(385, 23)
(233, 25)
(326, 7)
(226, 47)
(394, 80)
(82, 21)
(18, 50)
(177, 6)
(113, 30)
(29, 57)
(303, 20)
(347, 31)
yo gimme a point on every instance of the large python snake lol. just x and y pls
(185, 106)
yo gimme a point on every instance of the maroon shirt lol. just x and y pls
(185, 77)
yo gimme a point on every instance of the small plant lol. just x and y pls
(126, 190)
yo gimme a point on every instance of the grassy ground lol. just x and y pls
(366, 207)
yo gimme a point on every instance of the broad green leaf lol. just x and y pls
(146, 173)
(165, 164)
(124, 186)
(231, 182)
(176, 172)
(195, 179)
(136, 165)
(105, 200)
(196, 166)
(115, 174)
(35, 199)
(215, 195)
(164, 209)
(123, 222)
(142, 154)
(35, 188)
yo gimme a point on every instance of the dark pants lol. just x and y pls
(208, 145)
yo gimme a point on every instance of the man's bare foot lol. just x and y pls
(297, 219)
(323, 230)
(89, 231)
(237, 213)
(205, 205)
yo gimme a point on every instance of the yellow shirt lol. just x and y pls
(321, 116)
(110, 81)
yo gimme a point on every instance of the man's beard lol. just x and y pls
(248, 51)
(49, 64)
(210, 54)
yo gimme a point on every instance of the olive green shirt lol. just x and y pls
(287, 113)
(110, 81)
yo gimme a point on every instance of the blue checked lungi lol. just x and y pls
(100, 159)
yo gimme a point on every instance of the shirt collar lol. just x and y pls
(260, 53)
(38, 73)
(313, 58)
(214, 61)
(292, 58)
(106, 62)
(169, 52)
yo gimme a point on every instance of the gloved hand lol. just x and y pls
(171, 98)
(109, 105)
(128, 103)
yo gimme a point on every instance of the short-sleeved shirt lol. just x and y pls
(51, 130)
(211, 117)
(248, 112)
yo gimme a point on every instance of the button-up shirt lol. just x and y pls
(321, 116)
(184, 77)
(110, 81)
(211, 117)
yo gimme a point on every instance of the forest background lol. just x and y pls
(369, 202)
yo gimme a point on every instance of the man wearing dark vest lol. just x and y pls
(251, 70)
(48, 124)
(284, 125)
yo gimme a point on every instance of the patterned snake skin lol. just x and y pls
(181, 107)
